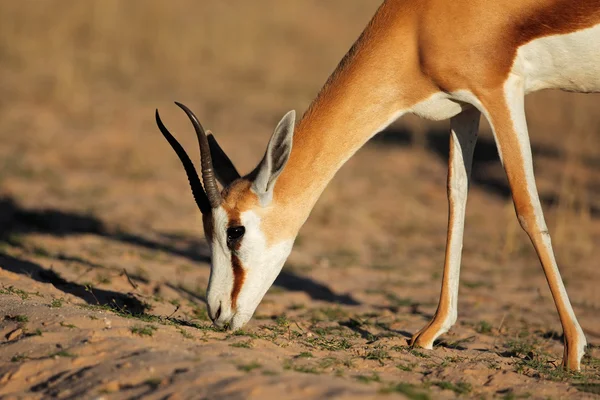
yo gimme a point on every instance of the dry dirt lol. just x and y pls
(103, 266)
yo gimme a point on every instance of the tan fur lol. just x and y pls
(238, 198)
(471, 45)
(501, 120)
(427, 333)
(410, 51)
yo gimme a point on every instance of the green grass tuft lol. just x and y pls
(249, 367)
(147, 330)
(374, 377)
(56, 303)
(410, 391)
(246, 345)
(458, 388)
(18, 357)
(378, 354)
(483, 327)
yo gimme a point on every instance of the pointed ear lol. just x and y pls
(224, 169)
(277, 155)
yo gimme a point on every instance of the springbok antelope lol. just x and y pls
(437, 59)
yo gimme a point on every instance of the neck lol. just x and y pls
(364, 94)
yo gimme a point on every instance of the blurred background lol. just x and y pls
(80, 82)
(89, 187)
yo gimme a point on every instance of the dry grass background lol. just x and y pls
(78, 147)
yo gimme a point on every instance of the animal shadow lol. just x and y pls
(15, 220)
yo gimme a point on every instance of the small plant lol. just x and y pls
(268, 372)
(458, 388)
(18, 357)
(70, 326)
(418, 353)
(406, 367)
(483, 327)
(542, 366)
(147, 330)
(410, 391)
(282, 321)
(374, 377)
(493, 364)
(184, 333)
(519, 347)
(20, 318)
(249, 367)
(305, 354)
(56, 303)
(306, 369)
(450, 360)
(334, 313)
(328, 362)
(246, 345)
(63, 353)
(241, 332)
(300, 368)
(18, 292)
(510, 395)
(378, 354)
(324, 343)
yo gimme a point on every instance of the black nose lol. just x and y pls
(217, 314)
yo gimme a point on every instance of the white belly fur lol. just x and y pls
(569, 62)
(437, 107)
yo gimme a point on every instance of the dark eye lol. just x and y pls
(234, 234)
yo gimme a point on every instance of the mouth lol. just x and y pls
(221, 320)
(233, 321)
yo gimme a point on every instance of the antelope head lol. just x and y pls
(244, 261)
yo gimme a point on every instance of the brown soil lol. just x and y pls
(103, 266)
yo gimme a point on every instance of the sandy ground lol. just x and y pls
(103, 265)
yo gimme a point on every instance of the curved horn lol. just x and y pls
(208, 173)
(190, 170)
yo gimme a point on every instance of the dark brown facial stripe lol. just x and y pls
(239, 275)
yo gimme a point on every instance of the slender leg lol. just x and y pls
(462, 143)
(506, 113)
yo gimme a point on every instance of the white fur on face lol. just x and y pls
(220, 283)
(261, 264)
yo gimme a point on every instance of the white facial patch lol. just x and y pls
(220, 283)
(260, 263)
